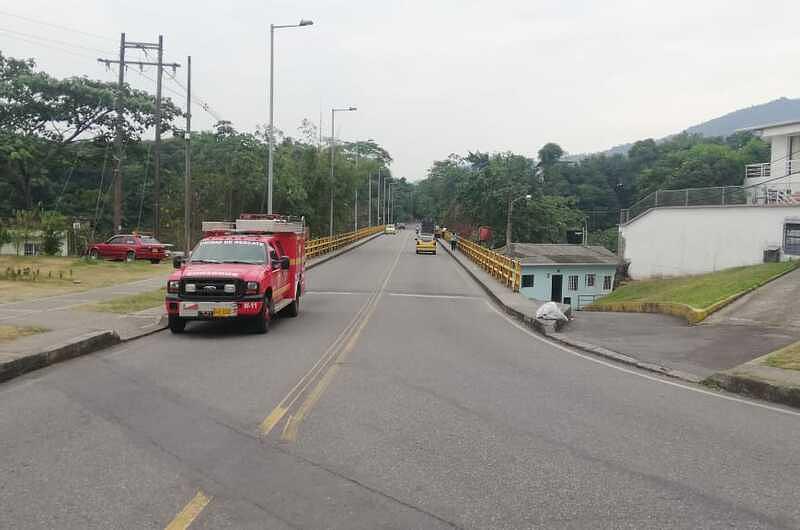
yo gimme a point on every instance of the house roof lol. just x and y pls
(543, 254)
(769, 125)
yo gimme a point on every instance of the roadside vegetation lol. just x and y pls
(700, 291)
(27, 277)
(132, 303)
(9, 333)
(787, 358)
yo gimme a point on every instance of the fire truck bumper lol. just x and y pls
(213, 310)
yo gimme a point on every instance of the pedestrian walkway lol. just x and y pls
(513, 303)
(668, 341)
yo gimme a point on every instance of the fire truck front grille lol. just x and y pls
(205, 288)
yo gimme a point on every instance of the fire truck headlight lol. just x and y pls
(190, 287)
(252, 287)
(173, 286)
(230, 288)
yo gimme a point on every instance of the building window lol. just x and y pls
(607, 283)
(791, 238)
(590, 280)
(31, 249)
(573, 282)
(527, 280)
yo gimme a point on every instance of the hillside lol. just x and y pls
(781, 109)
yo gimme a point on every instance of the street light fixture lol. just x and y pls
(527, 197)
(272, 28)
(333, 151)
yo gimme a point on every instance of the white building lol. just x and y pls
(779, 179)
(693, 231)
(33, 245)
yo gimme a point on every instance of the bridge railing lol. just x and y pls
(323, 245)
(502, 268)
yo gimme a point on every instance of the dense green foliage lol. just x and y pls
(56, 154)
(469, 191)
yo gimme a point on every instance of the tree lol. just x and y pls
(550, 154)
(40, 115)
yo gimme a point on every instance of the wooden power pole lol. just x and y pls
(118, 143)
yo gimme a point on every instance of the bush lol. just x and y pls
(52, 225)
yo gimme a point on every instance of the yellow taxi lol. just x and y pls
(426, 244)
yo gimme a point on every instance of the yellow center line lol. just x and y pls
(292, 425)
(189, 512)
(282, 408)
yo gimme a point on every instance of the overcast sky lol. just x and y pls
(433, 77)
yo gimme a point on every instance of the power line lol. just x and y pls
(51, 46)
(35, 21)
(56, 41)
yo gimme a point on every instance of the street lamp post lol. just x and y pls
(508, 221)
(272, 28)
(333, 151)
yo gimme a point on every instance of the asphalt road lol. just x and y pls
(400, 398)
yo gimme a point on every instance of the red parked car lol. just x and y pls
(130, 247)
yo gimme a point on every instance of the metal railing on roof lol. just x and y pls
(757, 195)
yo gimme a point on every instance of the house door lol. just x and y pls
(556, 287)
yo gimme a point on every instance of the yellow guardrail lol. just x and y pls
(323, 245)
(504, 269)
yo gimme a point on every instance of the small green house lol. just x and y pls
(570, 274)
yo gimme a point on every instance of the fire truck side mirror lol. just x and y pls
(177, 262)
(285, 263)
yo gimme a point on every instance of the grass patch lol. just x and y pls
(9, 333)
(787, 358)
(699, 291)
(132, 303)
(40, 276)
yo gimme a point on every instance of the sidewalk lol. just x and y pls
(667, 343)
(74, 329)
(515, 304)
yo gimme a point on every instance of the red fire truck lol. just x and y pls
(250, 269)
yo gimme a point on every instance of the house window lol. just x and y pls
(527, 280)
(791, 238)
(31, 249)
(573, 282)
(590, 280)
(607, 283)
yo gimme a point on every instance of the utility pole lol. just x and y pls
(157, 145)
(187, 182)
(379, 197)
(118, 140)
(355, 213)
(125, 44)
(369, 200)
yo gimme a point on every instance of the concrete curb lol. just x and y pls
(82, 345)
(545, 327)
(756, 388)
(626, 359)
(692, 315)
(328, 257)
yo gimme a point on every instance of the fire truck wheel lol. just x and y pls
(263, 319)
(293, 309)
(176, 324)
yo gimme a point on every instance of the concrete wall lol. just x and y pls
(694, 240)
(542, 283)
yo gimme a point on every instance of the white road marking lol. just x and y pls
(445, 296)
(338, 292)
(637, 373)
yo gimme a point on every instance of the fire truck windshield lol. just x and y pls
(230, 251)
